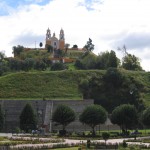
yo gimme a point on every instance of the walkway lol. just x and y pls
(71, 142)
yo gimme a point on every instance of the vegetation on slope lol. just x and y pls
(38, 86)
(58, 84)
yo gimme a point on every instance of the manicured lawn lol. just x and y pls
(71, 148)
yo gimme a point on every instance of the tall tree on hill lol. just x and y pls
(89, 46)
(107, 59)
(131, 62)
(75, 46)
(17, 50)
(66, 47)
(2, 56)
(28, 119)
(41, 44)
(113, 88)
(3, 64)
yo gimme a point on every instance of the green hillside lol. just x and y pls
(56, 85)
(39, 85)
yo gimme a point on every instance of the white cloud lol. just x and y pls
(106, 22)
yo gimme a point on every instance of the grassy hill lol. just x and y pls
(36, 85)
(44, 54)
(56, 85)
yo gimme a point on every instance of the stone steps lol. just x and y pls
(48, 112)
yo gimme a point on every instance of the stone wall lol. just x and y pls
(44, 109)
(13, 108)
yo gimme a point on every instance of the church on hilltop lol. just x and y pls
(55, 45)
(54, 41)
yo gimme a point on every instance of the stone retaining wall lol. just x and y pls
(44, 109)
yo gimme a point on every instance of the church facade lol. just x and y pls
(54, 41)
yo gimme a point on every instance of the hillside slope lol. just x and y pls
(39, 85)
(56, 85)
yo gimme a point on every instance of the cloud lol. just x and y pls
(28, 39)
(108, 23)
(4, 8)
(133, 40)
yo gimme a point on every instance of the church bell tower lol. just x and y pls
(61, 39)
(48, 37)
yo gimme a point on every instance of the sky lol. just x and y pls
(109, 23)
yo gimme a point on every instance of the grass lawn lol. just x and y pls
(70, 148)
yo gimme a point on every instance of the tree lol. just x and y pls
(84, 88)
(75, 46)
(59, 53)
(131, 62)
(113, 78)
(105, 136)
(125, 116)
(107, 59)
(123, 49)
(89, 61)
(145, 117)
(93, 115)
(15, 64)
(39, 65)
(49, 48)
(17, 50)
(78, 64)
(58, 66)
(63, 115)
(115, 88)
(89, 46)
(2, 56)
(66, 47)
(28, 64)
(41, 44)
(3, 64)
(1, 119)
(28, 119)
(113, 60)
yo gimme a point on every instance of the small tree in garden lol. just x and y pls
(28, 119)
(105, 136)
(17, 130)
(63, 115)
(125, 116)
(93, 115)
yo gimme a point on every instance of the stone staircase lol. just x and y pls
(48, 114)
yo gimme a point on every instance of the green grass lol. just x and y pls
(57, 85)
(70, 148)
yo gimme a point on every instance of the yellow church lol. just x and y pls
(54, 41)
(58, 44)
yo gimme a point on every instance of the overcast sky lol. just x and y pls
(109, 23)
